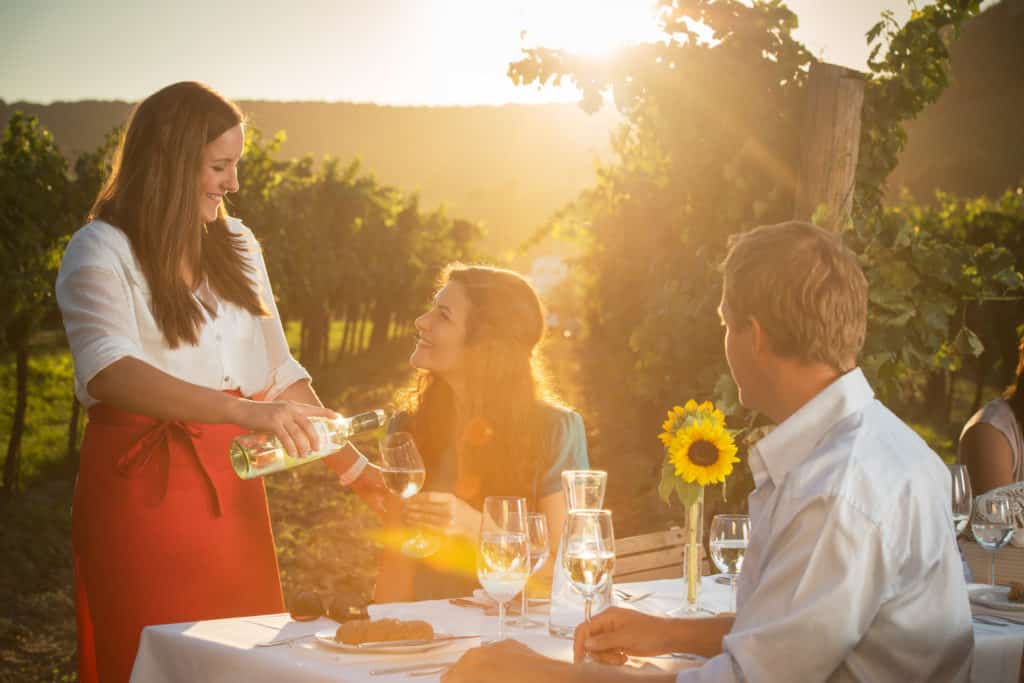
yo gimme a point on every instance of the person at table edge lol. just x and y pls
(852, 572)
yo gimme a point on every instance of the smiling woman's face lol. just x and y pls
(219, 173)
(441, 343)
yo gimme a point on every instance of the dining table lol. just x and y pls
(270, 648)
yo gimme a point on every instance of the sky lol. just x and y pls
(401, 52)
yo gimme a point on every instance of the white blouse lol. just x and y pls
(105, 301)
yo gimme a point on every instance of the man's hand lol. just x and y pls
(505, 661)
(443, 511)
(616, 633)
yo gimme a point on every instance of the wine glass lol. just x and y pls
(963, 499)
(729, 537)
(537, 530)
(992, 526)
(503, 563)
(584, 489)
(589, 557)
(403, 473)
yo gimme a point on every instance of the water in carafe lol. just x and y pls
(583, 490)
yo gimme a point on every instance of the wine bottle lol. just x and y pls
(260, 453)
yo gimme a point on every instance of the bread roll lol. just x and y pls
(367, 631)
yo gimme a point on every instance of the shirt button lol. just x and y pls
(226, 379)
(217, 337)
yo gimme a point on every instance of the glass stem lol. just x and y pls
(992, 566)
(524, 618)
(501, 621)
(586, 618)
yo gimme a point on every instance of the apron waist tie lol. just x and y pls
(153, 449)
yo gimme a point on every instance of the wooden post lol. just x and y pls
(828, 154)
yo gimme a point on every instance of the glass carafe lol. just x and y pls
(583, 490)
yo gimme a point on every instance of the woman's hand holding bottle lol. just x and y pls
(287, 420)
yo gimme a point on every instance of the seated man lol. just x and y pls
(852, 573)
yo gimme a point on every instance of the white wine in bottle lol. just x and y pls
(258, 454)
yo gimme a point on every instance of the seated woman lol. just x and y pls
(484, 421)
(992, 443)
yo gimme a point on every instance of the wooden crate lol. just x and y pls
(1009, 562)
(658, 555)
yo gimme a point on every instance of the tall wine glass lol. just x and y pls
(729, 537)
(589, 557)
(537, 530)
(992, 526)
(963, 498)
(403, 473)
(503, 563)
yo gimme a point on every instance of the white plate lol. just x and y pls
(327, 638)
(994, 597)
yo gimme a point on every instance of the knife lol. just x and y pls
(421, 641)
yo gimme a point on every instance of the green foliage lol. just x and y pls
(710, 148)
(33, 221)
(926, 266)
(909, 70)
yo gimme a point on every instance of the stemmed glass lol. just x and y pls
(992, 526)
(589, 557)
(503, 563)
(963, 498)
(403, 473)
(537, 530)
(729, 537)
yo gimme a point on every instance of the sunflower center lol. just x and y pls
(703, 453)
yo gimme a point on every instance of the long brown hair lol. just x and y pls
(1014, 393)
(152, 195)
(509, 400)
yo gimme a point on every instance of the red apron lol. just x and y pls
(163, 531)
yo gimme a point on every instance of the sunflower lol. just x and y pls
(680, 415)
(702, 452)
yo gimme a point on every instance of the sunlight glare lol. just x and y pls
(588, 27)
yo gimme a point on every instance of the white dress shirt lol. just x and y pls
(852, 572)
(105, 301)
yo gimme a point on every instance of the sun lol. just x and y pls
(589, 27)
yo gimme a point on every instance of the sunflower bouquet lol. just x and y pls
(699, 450)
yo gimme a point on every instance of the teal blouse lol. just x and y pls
(566, 450)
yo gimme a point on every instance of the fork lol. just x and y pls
(629, 597)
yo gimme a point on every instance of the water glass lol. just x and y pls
(963, 498)
(729, 537)
(537, 530)
(992, 526)
(503, 560)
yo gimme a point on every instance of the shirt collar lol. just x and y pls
(795, 440)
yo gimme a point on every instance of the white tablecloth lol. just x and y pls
(224, 650)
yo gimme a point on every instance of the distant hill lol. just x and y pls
(971, 141)
(509, 166)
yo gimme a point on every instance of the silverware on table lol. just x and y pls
(630, 597)
(418, 641)
(282, 641)
(411, 668)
